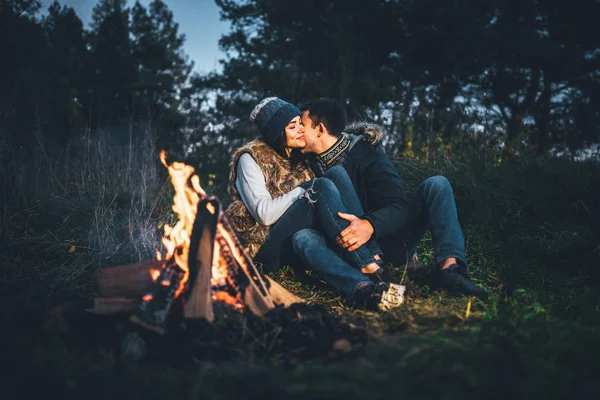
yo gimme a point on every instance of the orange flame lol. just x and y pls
(155, 273)
(176, 239)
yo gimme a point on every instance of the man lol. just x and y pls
(398, 223)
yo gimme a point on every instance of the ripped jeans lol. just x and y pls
(317, 248)
(308, 230)
(332, 193)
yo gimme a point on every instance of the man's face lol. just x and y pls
(310, 133)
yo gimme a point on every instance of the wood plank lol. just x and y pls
(281, 295)
(198, 303)
(132, 280)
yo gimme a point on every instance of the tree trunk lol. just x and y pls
(407, 126)
(513, 125)
(541, 137)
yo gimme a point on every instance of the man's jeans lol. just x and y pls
(336, 266)
(432, 207)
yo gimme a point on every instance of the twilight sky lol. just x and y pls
(199, 20)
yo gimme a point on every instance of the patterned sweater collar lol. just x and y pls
(331, 157)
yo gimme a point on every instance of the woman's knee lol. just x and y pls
(305, 238)
(323, 185)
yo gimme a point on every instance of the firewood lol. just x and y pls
(256, 279)
(281, 295)
(156, 303)
(132, 280)
(256, 302)
(114, 305)
(200, 260)
(199, 302)
(160, 329)
(213, 244)
(256, 295)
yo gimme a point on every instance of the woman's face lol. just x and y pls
(294, 135)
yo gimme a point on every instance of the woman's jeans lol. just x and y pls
(326, 193)
(277, 250)
(325, 197)
(342, 181)
(317, 248)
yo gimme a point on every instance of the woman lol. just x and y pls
(274, 196)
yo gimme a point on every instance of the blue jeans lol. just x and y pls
(318, 250)
(332, 193)
(432, 207)
(342, 181)
(277, 250)
(312, 248)
(324, 200)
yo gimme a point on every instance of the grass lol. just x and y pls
(532, 236)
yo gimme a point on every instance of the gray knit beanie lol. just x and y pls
(272, 116)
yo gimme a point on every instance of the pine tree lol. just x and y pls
(66, 48)
(163, 68)
(111, 70)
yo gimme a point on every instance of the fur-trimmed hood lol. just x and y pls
(372, 133)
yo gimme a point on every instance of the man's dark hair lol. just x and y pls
(328, 112)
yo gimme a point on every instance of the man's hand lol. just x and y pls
(356, 234)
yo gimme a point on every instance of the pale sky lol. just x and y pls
(199, 20)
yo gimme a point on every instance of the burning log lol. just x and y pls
(154, 308)
(202, 257)
(121, 288)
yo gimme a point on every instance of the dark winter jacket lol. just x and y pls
(375, 180)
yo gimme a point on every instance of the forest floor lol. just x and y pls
(532, 234)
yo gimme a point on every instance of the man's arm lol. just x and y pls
(386, 203)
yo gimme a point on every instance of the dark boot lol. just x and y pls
(455, 279)
(412, 264)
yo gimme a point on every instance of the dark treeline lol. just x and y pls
(506, 76)
(497, 78)
(60, 79)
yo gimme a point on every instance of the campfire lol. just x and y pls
(204, 268)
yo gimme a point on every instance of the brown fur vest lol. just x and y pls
(280, 176)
